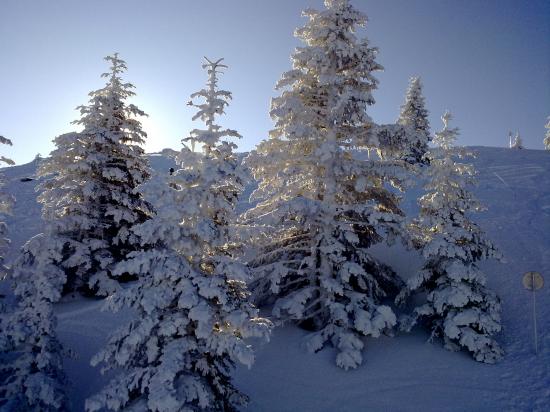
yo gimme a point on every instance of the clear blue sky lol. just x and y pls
(487, 61)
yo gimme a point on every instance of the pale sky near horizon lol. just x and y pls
(486, 61)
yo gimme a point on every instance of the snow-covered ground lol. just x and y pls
(398, 374)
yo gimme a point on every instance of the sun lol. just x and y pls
(158, 136)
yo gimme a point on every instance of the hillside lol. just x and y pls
(402, 373)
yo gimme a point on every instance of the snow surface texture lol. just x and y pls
(403, 373)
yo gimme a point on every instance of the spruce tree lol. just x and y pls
(450, 291)
(6, 203)
(89, 198)
(517, 143)
(31, 363)
(191, 298)
(547, 137)
(414, 115)
(321, 205)
(31, 375)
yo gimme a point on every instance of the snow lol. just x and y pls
(403, 373)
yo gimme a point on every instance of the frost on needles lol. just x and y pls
(321, 204)
(89, 198)
(191, 299)
(456, 305)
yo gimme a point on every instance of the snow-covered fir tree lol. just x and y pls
(31, 370)
(321, 204)
(516, 142)
(89, 198)
(547, 137)
(31, 358)
(191, 299)
(415, 115)
(6, 203)
(451, 293)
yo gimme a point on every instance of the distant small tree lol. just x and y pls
(453, 299)
(89, 198)
(547, 137)
(191, 297)
(516, 142)
(415, 115)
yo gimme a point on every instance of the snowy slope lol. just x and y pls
(404, 373)
(408, 374)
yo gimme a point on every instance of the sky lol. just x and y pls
(488, 62)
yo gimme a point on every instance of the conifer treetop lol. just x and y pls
(338, 13)
(448, 176)
(115, 83)
(446, 138)
(107, 108)
(447, 194)
(118, 66)
(214, 104)
(413, 112)
(331, 79)
(413, 117)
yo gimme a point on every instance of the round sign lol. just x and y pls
(533, 281)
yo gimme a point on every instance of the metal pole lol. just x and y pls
(535, 312)
(533, 281)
